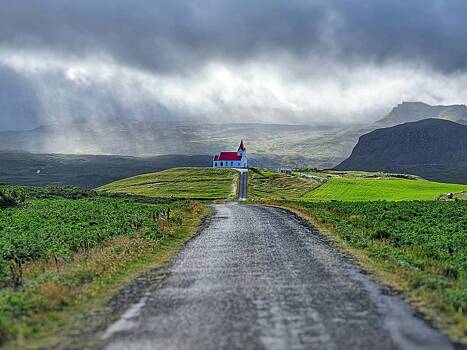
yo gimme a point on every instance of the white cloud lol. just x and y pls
(276, 89)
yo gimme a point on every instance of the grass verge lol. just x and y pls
(417, 248)
(58, 291)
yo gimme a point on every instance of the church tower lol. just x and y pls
(241, 152)
(241, 149)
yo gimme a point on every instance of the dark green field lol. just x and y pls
(61, 247)
(421, 242)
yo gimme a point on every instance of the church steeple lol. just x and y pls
(241, 151)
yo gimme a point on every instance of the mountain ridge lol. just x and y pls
(435, 149)
(415, 111)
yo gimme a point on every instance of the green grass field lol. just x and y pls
(266, 184)
(362, 189)
(421, 243)
(190, 183)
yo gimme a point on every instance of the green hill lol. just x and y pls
(189, 183)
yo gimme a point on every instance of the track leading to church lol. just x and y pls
(260, 278)
(243, 191)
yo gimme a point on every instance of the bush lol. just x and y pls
(11, 198)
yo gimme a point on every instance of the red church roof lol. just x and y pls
(227, 156)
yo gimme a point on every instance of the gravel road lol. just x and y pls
(260, 278)
(243, 191)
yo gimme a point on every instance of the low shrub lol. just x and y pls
(11, 198)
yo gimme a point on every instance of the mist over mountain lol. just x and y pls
(414, 111)
(435, 149)
(270, 144)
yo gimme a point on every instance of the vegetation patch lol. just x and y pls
(367, 189)
(267, 184)
(461, 195)
(189, 183)
(418, 246)
(11, 198)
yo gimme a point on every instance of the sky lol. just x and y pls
(291, 61)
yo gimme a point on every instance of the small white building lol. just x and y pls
(231, 159)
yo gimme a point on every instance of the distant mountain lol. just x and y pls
(435, 149)
(271, 145)
(415, 111)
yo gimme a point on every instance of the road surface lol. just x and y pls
(243, 192)
(260, 278)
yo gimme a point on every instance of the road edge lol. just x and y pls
(87, 323)
(375, 272)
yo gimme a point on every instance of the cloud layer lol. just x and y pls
(268, 61)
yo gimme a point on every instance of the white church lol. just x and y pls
(231, 159)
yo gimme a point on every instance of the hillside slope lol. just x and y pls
(184, 183)
(433, 148)
(86, 171)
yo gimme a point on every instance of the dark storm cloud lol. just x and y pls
(433, 32)
(166, 35)
(163, 34)
(290, 61)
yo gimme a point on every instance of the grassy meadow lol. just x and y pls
(366, 189)
(186, 183)
(264, 184)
